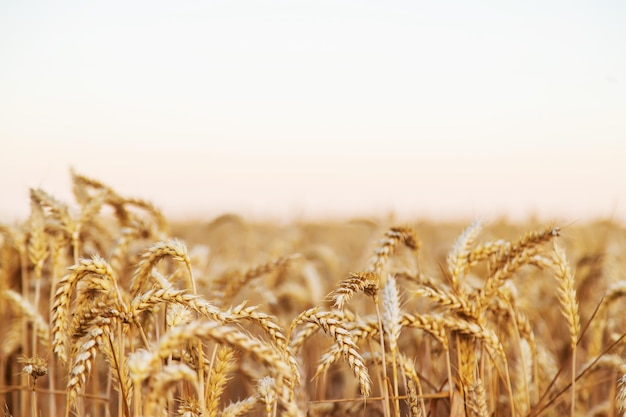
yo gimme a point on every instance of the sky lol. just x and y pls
(314, 109)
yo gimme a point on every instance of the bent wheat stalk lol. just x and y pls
(333, 326)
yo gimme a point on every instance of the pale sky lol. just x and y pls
(301, 109)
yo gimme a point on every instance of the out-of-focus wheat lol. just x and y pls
(138, 325)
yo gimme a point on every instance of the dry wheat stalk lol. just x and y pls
(37, 241)
(413, 386)
(512, 257)
(496, 317)
(467, 362)
(155, 296)
(169, 248)
(477, 401)
(119, 373)
(356, 282)
(412, 400)
(368, 281)
(363, 329)
(269, 326)
(391, 313)
(206, 329)
(485, 251)
(392, 329)
(518, 254)
(83, 359)
(218, 377)
(151, 298)
(37, 248)
(446, 299)
(567, 293)
(265, 321)
(487, 336)
(88, 313)
(531, 239)
(60, 310)
(367, 329)
(388, 245)
(458, 261)
(333, 326)
(434, 325)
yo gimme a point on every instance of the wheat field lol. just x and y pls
(108, 309)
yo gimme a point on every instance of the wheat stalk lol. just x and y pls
(218, 378)
(333, 326)
(458, 261)
(569, 307)
(230, 336)
(169, 248)
(60, 310)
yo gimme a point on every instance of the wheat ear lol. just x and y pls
(515, 256)
(457, 258)
(333, 327)
(206, 329)
(356, 282)
(172, 248)
(569, 306)
(60, 310)
(392, 328)
(218, 378)
(388, 244)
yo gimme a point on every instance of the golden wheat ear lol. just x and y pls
(333, 326)
(96, 266)
(356, 282)
(174, 249)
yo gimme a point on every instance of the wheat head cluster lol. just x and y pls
(109, 310)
